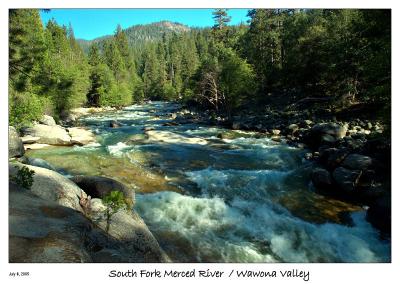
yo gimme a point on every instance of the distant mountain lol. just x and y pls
(139, 34)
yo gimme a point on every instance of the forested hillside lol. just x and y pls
(138, 35)
(288, 56)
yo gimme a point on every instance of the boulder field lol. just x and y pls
(351, 158)
(47, 132)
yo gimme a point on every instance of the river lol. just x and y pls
(207, 199)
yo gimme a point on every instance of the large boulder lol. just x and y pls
(346, 179)
(325, 133)
(43, 231)
(99, 187)
(15, 146)
(379, 214)
(235, 134)
(137, 138)
(37, 162)
(332, 157)
(127, 227)
(236, 125)
(114, 124)
(53, 135)
(336, 158)
(170, 137)
(81, 136)
(293, 128)
(46, 232)
(50, 185)
(321, 179)
(335, 130)
(357, 162)
(47, 120)
(28, 139)
(68, 118)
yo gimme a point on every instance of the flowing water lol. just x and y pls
(206, 199)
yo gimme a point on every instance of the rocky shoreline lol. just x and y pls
(69, 216)
(351, 159)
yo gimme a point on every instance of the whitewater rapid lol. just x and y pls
(206, 199)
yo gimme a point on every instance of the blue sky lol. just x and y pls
(92, 23)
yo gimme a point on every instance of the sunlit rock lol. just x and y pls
(81, 136)
(170, 137)
(15, 146)
(53, 135)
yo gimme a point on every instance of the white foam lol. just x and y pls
(92, 145)
(87, 147)
(249, 231)
(118, 149)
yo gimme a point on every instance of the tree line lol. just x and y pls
(284, 52)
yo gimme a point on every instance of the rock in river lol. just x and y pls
(114, 124)
(15, 146)
(321, 179)
(346, 179)
(325, 133)
(53, 135)
(170, 137)
(335, 130)
(81, 136)
(379, 214)
(137, 138)
(357, 162)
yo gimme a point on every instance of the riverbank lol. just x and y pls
(351, 157)
(71, 224)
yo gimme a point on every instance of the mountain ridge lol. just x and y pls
(141, 33)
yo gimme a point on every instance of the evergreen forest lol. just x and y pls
(281, 56)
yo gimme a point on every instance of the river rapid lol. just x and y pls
(207, 199)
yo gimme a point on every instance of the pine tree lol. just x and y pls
(27, 47)
(221, 20)
(114, 60)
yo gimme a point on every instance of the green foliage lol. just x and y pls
(224, 80)
(24, 177)
(24, 108)
(321, 52)
(221, 20)
(48, 69)
(237, 79)
(291, 53)
(170, 92)
(26, 47)
(138, 92)
(114, 201)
